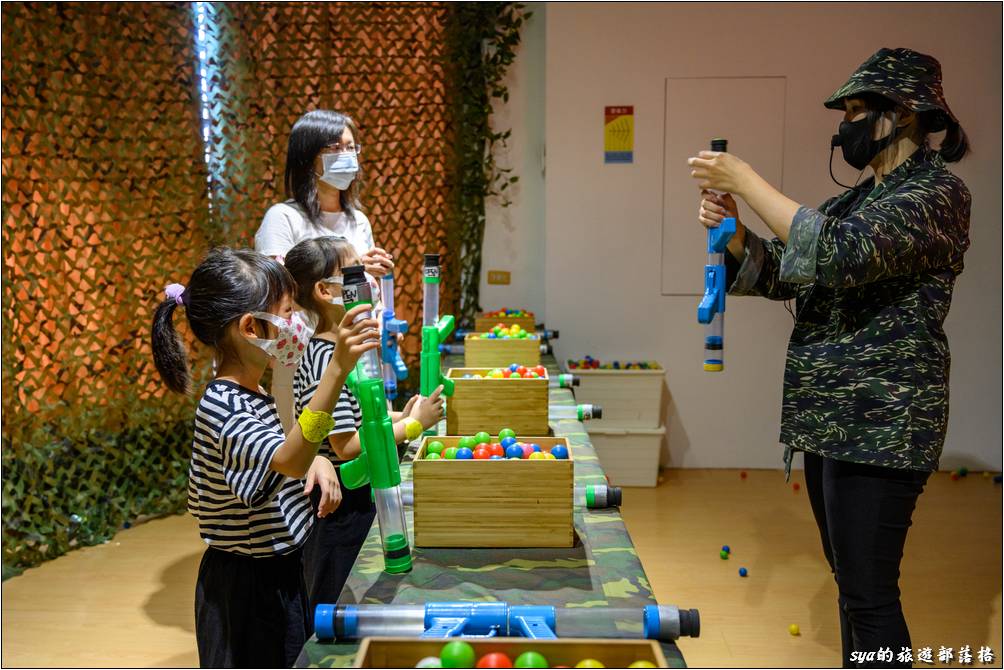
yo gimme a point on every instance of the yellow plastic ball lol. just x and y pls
(538, 456)
(793, 629)
(589, 663)
(643, 664)
(549, 456)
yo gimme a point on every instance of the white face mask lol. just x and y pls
(290, 344)
(337, 300)
(339, 169)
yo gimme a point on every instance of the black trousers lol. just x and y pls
(334, 544)
(250, 612)
(863, 513)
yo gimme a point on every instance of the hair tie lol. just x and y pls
(175, 291)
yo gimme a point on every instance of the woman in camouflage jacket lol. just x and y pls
(872, 272)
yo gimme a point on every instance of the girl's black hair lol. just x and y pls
(312, 132)
(227, 284)
(955, 144)
(310, 261)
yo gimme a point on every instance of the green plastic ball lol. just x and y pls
(530, 659)
(724, 554)
(433, 457)
(482, 438)
(450, 453)
(435, 447)
(506, 432)
(458, 654)
(467, 442)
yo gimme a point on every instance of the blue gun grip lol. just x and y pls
(534, 628)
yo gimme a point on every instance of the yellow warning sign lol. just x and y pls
(618, 134)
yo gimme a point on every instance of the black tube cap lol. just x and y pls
(432, 260)
(554, 334)
(719, 144)
(354, 274)
(690, 623)
(597, 412)
(576, 380)
(614, 496)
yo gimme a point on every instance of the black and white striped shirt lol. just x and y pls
(242, 505)
(348, 416)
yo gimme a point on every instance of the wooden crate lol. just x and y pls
(482, 323)
(629, 456)
(405, 652)
(502, 503)
(488, 353)
(494, 404)
(629, 398)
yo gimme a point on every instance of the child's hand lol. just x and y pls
(377, 262)
(408, 406)
(355, 339)
(322, 473)
(428, 411)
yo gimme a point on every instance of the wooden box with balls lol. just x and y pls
(501, 490)
(491, 399)
(503, 652)
(501, 346)
(485, 321)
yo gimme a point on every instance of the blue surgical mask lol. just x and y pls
(339, 169)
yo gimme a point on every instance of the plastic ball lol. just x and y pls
(530, 374)
(496, 449)
(506, 374)
(521, 370)
(795, 487)
(514, 451)
(429, 662)
(742, 475)
(643, 664)
(506, 432)
(482, 453)
(476, 377)
(537, 456)
(522, 335)
(464, 454)
(483, 438)
(496, 458)
(793, 629)
(457, 654)
(727, 549)
(954, 476)
(997, 479)
(549, 456)
(491, 336)
(724, 555)
(743, 572)
(527, 450)
(559, 451)
(515, 375)
(963, 472)
(514, 367)
(530, 659)
(508, 441)
(435, 447)
(589, 663)
(433, 457)
(466, 443)
(536, 447)
(494, 660)
(450, 453)
(540, 370)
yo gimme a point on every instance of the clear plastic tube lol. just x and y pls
(576, 413)
(383, 621)
(430, 303)
(393, 526)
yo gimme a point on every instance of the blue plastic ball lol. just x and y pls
(514, 367)
(492, 336)
(742, 572)
(514, 450)
(536, 447)
(508, 442)
(496, 457)
(560, 452)
(464, 453)
(726, 549)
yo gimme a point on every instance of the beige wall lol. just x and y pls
(602, 224)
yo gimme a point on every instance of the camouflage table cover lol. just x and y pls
(602, 570)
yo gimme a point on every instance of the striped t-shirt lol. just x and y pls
(242, 505)
(348, 416)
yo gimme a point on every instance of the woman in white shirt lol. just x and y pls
(322, 181)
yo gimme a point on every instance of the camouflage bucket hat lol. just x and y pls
(908, 78)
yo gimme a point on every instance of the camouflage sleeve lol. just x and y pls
(757, 274)
(921, 226)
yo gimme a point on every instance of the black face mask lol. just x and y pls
(855, 141)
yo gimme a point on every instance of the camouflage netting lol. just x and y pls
(105, 201)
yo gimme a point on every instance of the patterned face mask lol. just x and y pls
(290, 344)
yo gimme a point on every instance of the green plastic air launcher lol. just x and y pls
(377, 465)
(435, 330)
